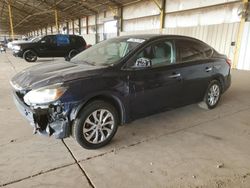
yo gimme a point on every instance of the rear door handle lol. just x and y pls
(208, 69)
(175, 75)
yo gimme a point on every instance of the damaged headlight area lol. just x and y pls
(44, 95)
(51, 120)
(44, 109)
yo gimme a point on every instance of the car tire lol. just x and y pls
(72, 53)
(212, 95)
(30, 56)
(95, 125)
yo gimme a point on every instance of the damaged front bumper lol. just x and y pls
(49, 120)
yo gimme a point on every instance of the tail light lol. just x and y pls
(88, 46)
(229, 62)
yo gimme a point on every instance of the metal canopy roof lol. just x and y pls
(34, 14)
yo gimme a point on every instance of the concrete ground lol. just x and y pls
(186, 147)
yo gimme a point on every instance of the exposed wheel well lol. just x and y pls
(219, 78)
(29, 49)
(109, 99)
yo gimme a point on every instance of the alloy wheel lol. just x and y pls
(30, 56)
(213, 94)
(98, 126)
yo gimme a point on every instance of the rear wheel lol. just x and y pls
(95, 125)
(212, 96)
(30, 56)
(73, 53)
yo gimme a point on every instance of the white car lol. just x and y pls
(2, 49)
(11, 45)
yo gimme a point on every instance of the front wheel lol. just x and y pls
(30, 56)
(95, 125)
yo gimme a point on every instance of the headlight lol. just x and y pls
(16, 48)
(44, 95)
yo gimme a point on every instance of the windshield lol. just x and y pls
(36, 39)
(108, 52)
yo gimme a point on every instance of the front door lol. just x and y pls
(157, 87)
(47, 46)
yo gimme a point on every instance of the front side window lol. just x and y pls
(160, 54)
(49, 40)
(107, 52)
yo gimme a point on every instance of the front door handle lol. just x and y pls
(208, 69)
(175, 75)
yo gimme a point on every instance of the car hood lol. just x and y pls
(20, 42)
(51, 73)
(25, 44)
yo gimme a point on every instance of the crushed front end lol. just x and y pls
(50, 119)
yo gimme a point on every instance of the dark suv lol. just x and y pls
(117, 81)
(50, 46)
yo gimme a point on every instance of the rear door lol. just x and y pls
(156, 88)
(62, 45)
(197, 68)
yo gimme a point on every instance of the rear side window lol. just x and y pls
(62, 40)
(192, 51)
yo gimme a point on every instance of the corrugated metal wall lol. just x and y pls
(244, 56)
(218, 36)
(216, 25)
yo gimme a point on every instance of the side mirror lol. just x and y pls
(143, 63)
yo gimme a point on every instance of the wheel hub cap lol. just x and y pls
(98, 126)
(213, 94)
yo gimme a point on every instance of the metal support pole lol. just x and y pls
(239, 37)
(162, 22)
(67, 26)
(73, 27)
(87, 25)
(162, 12)
(79, 26)
(11, 22)
(56, 21)
(96, 28)
(120, 21)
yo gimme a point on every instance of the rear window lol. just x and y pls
(192, 51)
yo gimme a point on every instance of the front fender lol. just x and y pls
(106, 96)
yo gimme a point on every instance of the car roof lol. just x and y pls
(62, 34)
(155, 36)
